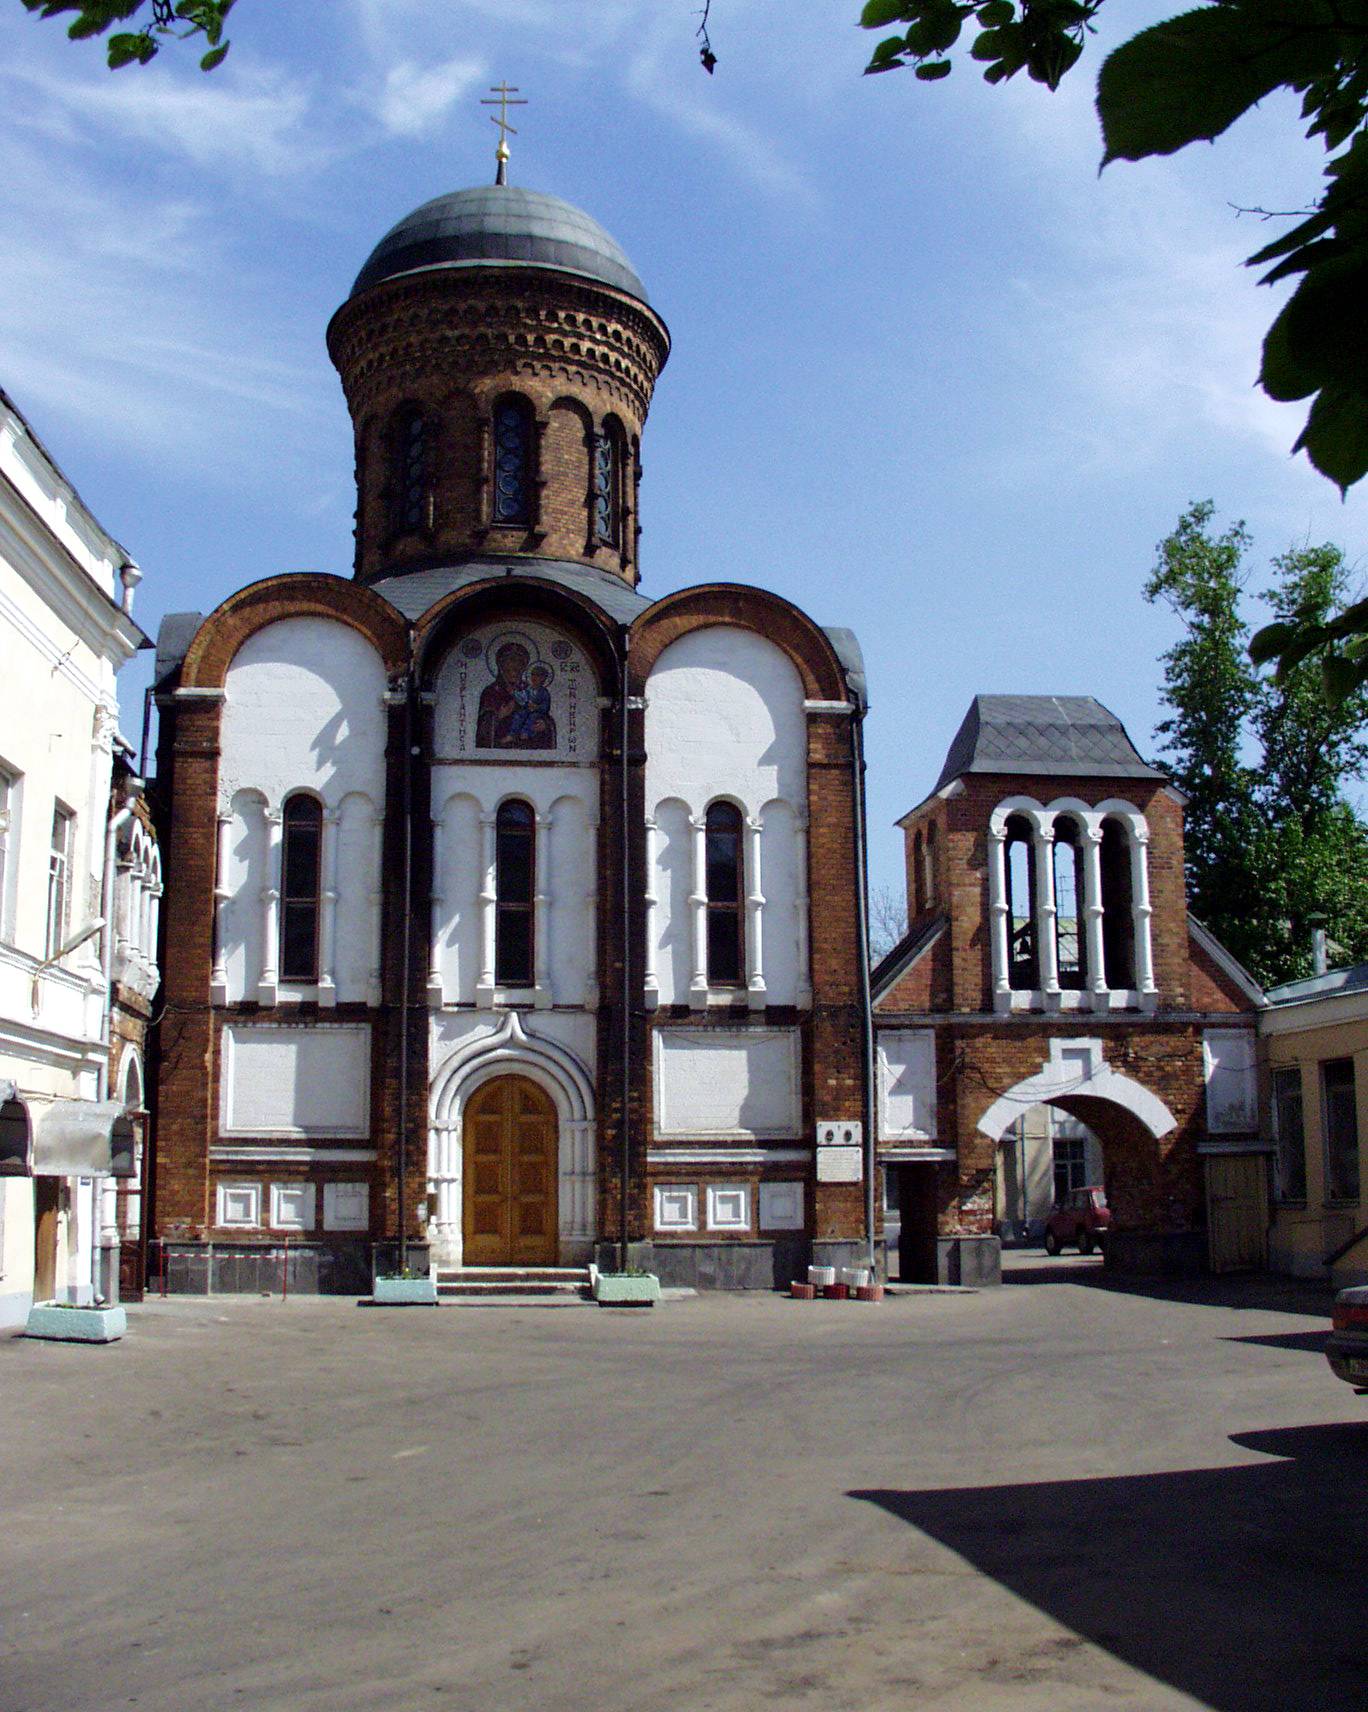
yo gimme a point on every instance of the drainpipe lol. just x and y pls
(104, 1267)
(866, 996)
(624, 1139)
(406, 940)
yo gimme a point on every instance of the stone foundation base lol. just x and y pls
(767, 1265)
(972, 1261)
(339, 1268)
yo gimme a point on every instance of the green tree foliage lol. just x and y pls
(1187, 79)
(162, 20)
(1273, 844)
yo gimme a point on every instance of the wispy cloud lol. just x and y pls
(415, 97)
(256, 117)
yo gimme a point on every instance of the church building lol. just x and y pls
(489, 900)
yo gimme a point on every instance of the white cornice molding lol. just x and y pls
(61, 584)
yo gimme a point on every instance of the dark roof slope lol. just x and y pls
(500, 225)
(1057, 736)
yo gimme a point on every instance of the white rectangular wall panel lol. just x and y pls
(346, 1206)
(781, 1206)
(292, 1206)
(238, 1204)
(907, 1084)
(301, 1081)
(676, 1207)
(727, 1082)
(1231, 1098)
(729, 1207)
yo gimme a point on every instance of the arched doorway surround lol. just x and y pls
(1074, 1077)
(512, 1049)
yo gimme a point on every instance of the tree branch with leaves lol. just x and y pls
(163, 21)
(1184, 80)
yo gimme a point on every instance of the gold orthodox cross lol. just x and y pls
(501, 93)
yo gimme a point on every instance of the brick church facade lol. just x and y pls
(489, 888)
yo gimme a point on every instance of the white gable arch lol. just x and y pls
(1076, 1068)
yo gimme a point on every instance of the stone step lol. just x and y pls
(513, 1281)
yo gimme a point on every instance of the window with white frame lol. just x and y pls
(59, 878)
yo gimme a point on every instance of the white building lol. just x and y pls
(66, 593)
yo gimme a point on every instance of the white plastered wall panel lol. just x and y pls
(565, 799)
(299, 1080)
(240, 918)
(304, 710)
(358, 897)
(670, 931)
(570, 891)
(460, 869)
(907, 1084)
(779, 885)
(715, 1084)
(725, 719)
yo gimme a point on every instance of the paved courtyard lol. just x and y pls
(1054, 1495)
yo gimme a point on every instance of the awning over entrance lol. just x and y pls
(68, 1138)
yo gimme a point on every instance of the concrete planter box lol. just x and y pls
(404, 1293)
(75, 1325)
(626, 1290)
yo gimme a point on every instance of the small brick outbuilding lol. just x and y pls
(1050, 959)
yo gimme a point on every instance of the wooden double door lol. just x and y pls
(510, 1146)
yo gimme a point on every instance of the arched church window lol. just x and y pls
(608, 484)
(1118, 921)
(1023, 963)
(512, 460)
(725, 891)
(514, 891)
(411, 453)
(1068, 889)
(300, 876)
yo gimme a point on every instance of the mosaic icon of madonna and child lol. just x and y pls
(515, 707)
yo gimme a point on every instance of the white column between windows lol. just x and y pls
(997, 911)
(650, 981)
(270, 911)
(800, 909)
(327, 920)
(435, 994)
(1047, 948)
(541, 913)
(698, 905)
(489, 897)
(218, 976)
(1140, 916)
(1092, 915)
(755, 916)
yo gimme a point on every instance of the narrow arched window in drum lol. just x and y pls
(411, 455)
(512, 461)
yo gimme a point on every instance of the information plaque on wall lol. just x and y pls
(840, 1156)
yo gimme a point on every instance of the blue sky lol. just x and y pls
(932, 377)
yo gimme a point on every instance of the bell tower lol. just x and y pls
(498, 355)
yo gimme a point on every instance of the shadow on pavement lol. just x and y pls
(1242, 1587)
(1262, 1290)
(1312, 1342)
